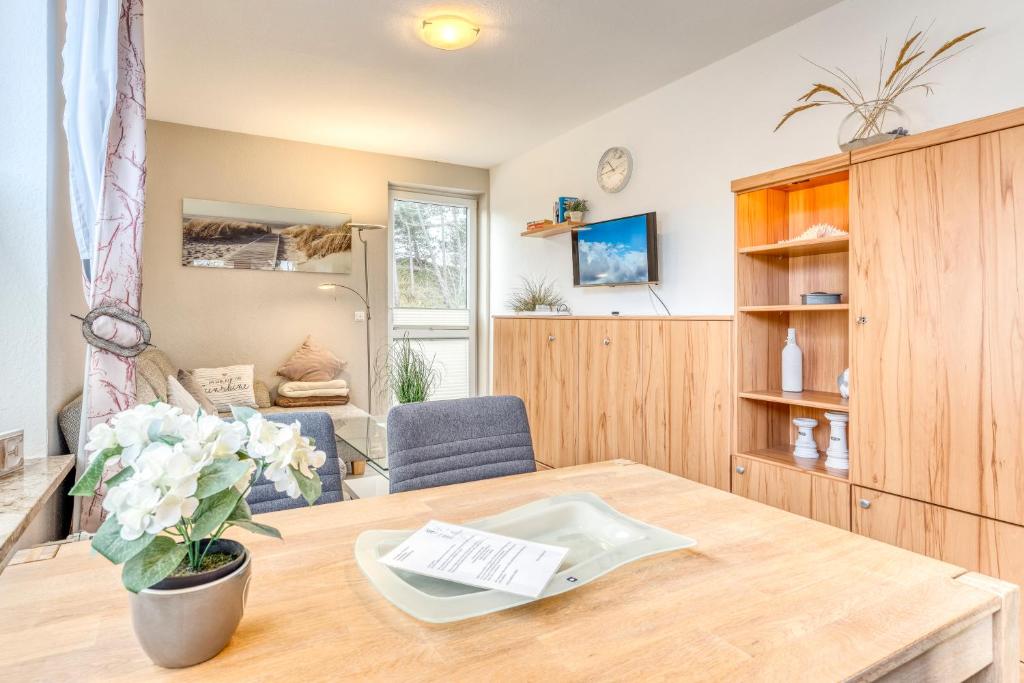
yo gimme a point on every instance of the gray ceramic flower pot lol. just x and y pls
(185, 626)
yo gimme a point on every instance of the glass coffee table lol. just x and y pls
(364, 440)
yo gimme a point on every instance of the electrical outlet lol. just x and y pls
(360, 316)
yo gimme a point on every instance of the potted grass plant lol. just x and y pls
(535, 294)
(181, 483)
(404, 370)
(575, 208)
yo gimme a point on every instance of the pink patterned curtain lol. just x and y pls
(104, 85)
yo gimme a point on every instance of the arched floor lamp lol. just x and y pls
(365, 298)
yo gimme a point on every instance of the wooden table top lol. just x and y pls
(765, 595)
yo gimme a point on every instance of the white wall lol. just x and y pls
(690, 138)
(36, 243)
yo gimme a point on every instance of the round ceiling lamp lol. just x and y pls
(449, 32)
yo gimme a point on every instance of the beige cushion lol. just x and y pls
(189, 383)
(311, 363)
(179, 397)
(149, 373)
(228, 386)
(262, 393)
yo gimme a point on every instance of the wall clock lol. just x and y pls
(614, 169)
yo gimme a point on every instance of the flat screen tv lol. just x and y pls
(621, 251)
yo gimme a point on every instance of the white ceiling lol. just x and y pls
(353, 73)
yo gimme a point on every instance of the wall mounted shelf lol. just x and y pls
(552, 230)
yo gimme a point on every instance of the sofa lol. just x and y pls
(152, 368)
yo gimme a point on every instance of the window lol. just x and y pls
(433, 283)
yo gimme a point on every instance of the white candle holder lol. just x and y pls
(805, 447)
(838, 452)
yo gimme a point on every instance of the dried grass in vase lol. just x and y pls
(867, 120)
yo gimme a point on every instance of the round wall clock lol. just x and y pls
(614, 169)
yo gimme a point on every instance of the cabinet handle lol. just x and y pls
(862, 320)
(740, 469)
(606, 341)
(551, 337)
(864, 503)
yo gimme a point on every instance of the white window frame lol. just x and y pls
(469, 331)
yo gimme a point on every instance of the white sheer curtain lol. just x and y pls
(105, 122)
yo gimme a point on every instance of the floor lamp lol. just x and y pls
(359, 228)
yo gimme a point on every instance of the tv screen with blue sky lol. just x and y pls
(616, 252)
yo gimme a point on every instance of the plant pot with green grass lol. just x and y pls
(536, 295)
(180, 484)
(575, 209)
(405, 372)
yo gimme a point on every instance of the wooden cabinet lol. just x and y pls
(551, 397)
(969, 541)
(654, 390)
(817, 497)
(937, 345)
(610, 402)
(686, 398)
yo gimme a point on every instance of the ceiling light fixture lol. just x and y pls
(449, 32)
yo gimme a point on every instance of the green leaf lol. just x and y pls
(86, 486)
(241, 512)
(155, 562)
(219, 475)
(121, 476)
(108, 542)
(310, 487)
(170, 440)
(256, 527)
(212, 512)
(241, 413)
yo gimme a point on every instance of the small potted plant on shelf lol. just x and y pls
(575, 208)
(182, 483)
(536, 295)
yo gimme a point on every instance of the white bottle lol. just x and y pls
(792, 364)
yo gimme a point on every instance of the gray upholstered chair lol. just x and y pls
(319, 426)
(449, 442)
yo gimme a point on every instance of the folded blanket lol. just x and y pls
(335, 387)
(311, 401)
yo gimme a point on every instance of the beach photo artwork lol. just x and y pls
(231, 235)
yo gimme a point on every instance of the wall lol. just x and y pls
(690, 138)
(206, 317)
(35, 238)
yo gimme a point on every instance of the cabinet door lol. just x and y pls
(552, 397)
(974, 543)
(937, 272)
(610, 423)
(820, 498)
(687, 398)
(510, 375)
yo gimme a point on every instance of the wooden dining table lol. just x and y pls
(764, 595)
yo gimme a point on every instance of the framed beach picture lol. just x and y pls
(253, 237)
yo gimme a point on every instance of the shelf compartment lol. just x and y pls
(782, 456)
(812, 247)
(552, 230)
(782, 308)
(823, 400)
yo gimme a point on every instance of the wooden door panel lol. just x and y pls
(969, 541)
(553, 376)
(610, 423)
(510, 374)
(687, 398)
(937, 269)
(830, 502)
(779, 487)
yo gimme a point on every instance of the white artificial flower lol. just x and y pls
(290, 450)
(222, 438)
(101, 437)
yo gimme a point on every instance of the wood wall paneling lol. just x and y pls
(937, 407)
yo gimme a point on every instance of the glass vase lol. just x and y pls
(870, 123)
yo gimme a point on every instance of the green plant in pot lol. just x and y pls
(535, 294)
(181, 483)
(575, 208)
(404, 370)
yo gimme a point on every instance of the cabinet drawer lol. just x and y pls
(821, 498)
(975, 543)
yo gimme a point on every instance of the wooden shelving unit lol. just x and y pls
(553, 229)
(788, 308)
(771, 274)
